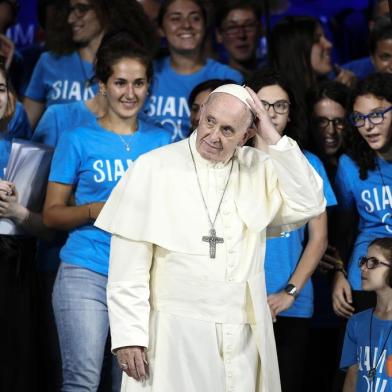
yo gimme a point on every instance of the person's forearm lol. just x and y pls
(66, 217)
(34, 225)
(351, 379)
(314, 250)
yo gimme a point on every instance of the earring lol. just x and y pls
(103, 93)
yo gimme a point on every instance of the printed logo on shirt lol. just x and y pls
(71, 91)
(380, 380)
(107, 170)
(379, 199)
(173, 110)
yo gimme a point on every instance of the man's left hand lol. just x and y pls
(264, 127)
(279, 302)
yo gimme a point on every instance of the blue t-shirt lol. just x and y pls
(18, 127)
(60, 79)
(59, 117)
(167, 105)
(283, 254)
(357, 350)
(373, 202)
(94, 160)
(55, 120)
(360, 67)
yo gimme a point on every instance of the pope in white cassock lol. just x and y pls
(186, 290)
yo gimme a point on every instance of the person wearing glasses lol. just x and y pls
(292, 257)
(328, 103)
(367, 349)
(239, 30)
(363, 186)
(65, 73)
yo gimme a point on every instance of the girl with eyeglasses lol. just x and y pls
(367, 350)
(363, 185)
(291, 259)
(328, 103)
(65, 72)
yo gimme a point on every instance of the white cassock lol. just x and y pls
(205, 321)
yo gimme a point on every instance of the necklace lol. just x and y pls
(372, 372)
(86, 81)
(126, 145)
(212, 239)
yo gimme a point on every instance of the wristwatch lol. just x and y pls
(290, 289)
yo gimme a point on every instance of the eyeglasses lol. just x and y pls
(371, 262)
(234, 30)
(280, 107)
(376, 117)
(80, 9)
(323, 122)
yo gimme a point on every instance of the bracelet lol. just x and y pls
(342, 270)
(340, 263)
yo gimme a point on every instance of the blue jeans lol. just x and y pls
(79, 303)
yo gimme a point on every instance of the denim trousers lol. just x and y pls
(80, 308)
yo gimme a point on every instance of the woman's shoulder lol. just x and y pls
(346, 161)
(150, 129)
(218, 69)
(51, 58)
(361, 317)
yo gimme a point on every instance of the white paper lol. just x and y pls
(28, 168)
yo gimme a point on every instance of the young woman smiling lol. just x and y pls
(88, 162)
(65, 73)
(183, 24)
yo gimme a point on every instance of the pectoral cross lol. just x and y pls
(213, 240)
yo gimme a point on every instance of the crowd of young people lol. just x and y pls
(117, 82)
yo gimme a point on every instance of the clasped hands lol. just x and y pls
(9, 205)
(133, 361)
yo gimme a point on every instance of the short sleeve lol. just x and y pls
(19, 126)
(67, 158)
(320, 169)
(47, 129)
(235, 75)
(36, 88)
(344, 191)
(349, 352)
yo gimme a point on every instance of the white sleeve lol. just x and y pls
(299, 186)
(128, 292)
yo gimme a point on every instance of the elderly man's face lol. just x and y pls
(223, 126)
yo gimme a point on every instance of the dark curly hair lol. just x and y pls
(380, 86)
(112, 14)
(116, 46)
